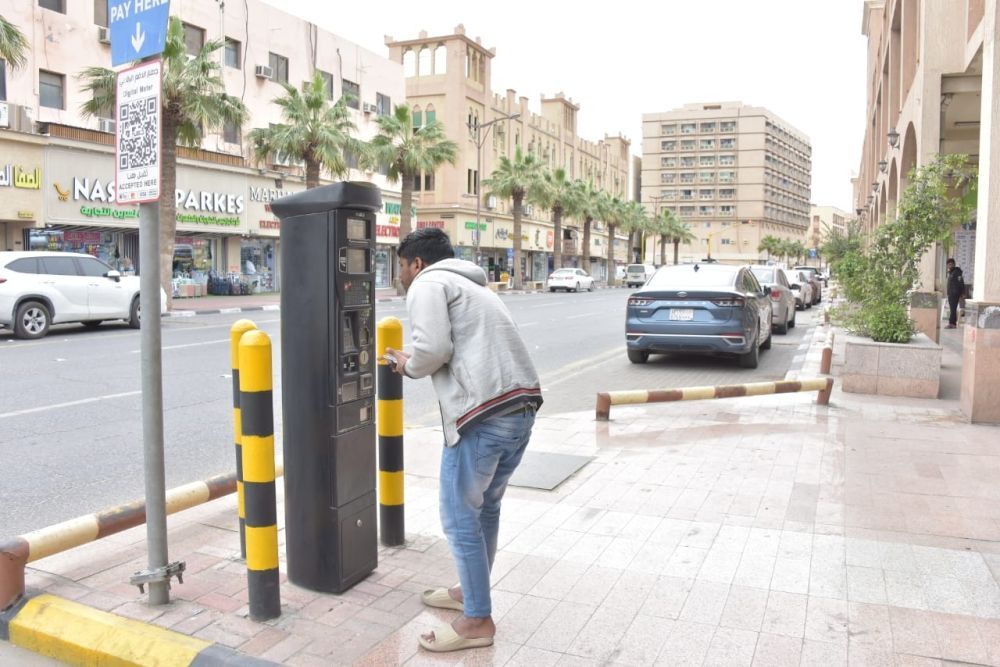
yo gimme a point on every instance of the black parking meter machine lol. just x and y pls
(328, 383)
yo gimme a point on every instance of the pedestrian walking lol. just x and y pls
(956, 291)
(488, 391)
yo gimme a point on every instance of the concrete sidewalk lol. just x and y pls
(764, 530)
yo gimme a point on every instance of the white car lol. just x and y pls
(801, 284)
(39, 289)
(570, 279)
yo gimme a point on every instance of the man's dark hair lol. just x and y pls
(429, 244)
(951, 260)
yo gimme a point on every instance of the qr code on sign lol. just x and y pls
(139, 134)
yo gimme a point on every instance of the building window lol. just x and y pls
(3, 80)
(688, 128)
(431, 116)
(327, 83)
(727, 176)
(667, 178)
(687, 177)
(668, 129)
(51, 87)
(727, 160)
(727, 126)
(725, 242)
(472, 182)
(706, 194)
(668, 162)
(668, 194)
(383, 105)
(707, 160)
(194, 39)
(230, 132)
(279, 67)
(353, 93)
(708, 144)
(687, 195)
(727, 193)
(727, 210)
(350, 159)
(428, 181)
(101, 13)
(687, 145)
(418, 117)
(54, 5)
(727, 143)
(708, 127)
(706, 177)
(706, 210)
(233, 58)
(441, 59)
(687, 210)
(667, 145)
(687, 161)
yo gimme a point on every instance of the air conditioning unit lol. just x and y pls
(106, 125)
(491, 202)
(263, 72)
(16, 117)
(103, 35)
(528, 209)
(369, 108)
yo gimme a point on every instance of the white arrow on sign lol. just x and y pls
(138, 38)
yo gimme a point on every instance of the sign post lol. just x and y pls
(139, 31)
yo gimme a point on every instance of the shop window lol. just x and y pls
(353, 93)
(233, 55)
(192, 257)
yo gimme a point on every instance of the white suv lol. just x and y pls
(39, 289)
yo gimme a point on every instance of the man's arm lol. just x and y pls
(427, 305)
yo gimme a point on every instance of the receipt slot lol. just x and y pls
(328, 383)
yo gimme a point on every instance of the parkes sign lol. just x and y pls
(138, 112)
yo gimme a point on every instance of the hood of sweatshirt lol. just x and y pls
(462, 267)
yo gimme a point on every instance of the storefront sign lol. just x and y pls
(387, 230)
(392, 208)
(267, 194)
(19, 177)
(270, 224)
(429, 223)
(207, 220)
(209, 202)
(549, 239)
(108, 212)
(26, 215)
(469, 224)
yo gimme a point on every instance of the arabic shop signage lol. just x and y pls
(430, 223)
(13, 175)
(108, 212)
(393, 208)
(469, 224)
(193, 206)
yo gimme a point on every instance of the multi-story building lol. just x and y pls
(70, 204)
(448, 78)
(734, 173)
(825, 220)
(933, 81)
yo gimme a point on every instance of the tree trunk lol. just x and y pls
(663, 249)
(677, 248)
(585, 248)
(557, 240)
(312, 173)
(168, 205)
(611, 256)
(405, 220)
(515, 271)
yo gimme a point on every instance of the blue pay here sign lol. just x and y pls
(138, 29)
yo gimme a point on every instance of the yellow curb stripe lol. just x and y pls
(80, 635)
(262, 548)
(623, 397)
(760, 388)
(698, 393)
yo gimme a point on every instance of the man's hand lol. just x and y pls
(401, 359)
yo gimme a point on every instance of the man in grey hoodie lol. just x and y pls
(488, 391)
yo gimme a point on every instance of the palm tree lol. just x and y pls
(769, 244)
(409, 152)
(194, 98)
(13, 45)
(315, 132)
(616, 214)
(554, 191)
(513, 179)
(635, 222)
(679, 232)
(589, 205)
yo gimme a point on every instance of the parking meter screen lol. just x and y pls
(356, 230)
(357, 260)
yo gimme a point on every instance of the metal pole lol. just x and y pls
(479, 168)
(152, 398)
(392, 525)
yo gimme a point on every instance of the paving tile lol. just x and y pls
(667, 597)
(823, 654)
(561, 626)
(755, 570)
(685, 562)
(869, 624)
(827, 620)
(601, 635)
(642, 641)
(594, 585)
(865, 584)
(720, 566)
(687, 644)
(959, 639)
(914, 632)
(705, 603)
(785, 614)
(744, 608)
(559, 580)
(731, 647)
(525, 574)
(524, 618)
(528, 656)
(777, 651)
(791, 575)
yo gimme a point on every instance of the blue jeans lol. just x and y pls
(474, 476)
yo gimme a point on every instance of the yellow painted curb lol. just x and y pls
(81, 635)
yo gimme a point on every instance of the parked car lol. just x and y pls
(636, 275)
(802, 288)
(700, 308)
(39, 289)
(782, 299)
(816, 278)
(570, 279)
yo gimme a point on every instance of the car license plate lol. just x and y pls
(682, 314)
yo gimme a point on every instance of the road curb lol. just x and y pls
(80, 635)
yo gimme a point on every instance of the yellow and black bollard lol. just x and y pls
(239, 328)
(257, 428)
(389, 333)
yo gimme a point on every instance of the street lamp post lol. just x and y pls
(480, 139)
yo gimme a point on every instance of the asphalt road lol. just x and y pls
(70, 405)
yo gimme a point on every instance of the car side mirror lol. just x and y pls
(113, 275)
(766, 289)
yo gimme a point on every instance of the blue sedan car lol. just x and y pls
(700, 308)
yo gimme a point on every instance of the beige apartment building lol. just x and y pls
(823, 221)
(933, 81)
(448, 78)
(70, 204)
(734, 173)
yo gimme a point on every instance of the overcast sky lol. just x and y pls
(802, 59)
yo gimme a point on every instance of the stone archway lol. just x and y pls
(892, 195)
(908, 156)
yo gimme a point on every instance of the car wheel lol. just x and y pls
(92, 324)
(751, 358)
(781, 329)
(791, 324)
(552, 289)
(807, 306)
(591, 288)
(638, 356)
(766, 345)
(31, 320)
(577, 288)
(134, 314)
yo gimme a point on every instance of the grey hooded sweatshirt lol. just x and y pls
(465, 339)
